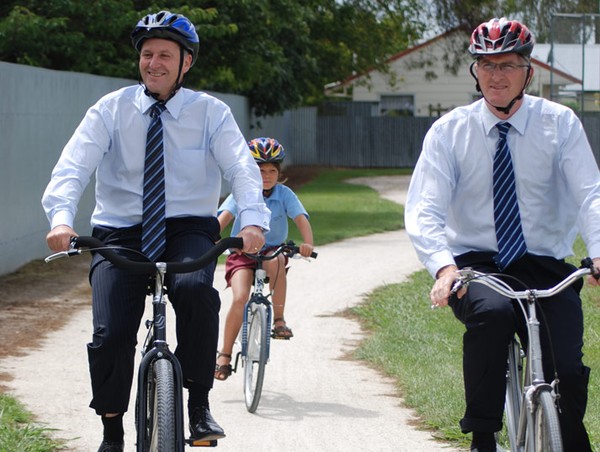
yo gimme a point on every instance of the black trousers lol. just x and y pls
(118, 302)
(491, 320)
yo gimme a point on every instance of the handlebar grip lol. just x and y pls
(587, 262)
(314, 254)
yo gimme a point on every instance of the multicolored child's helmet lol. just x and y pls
(266, 150)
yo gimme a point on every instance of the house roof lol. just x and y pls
(580, 61)
(563, 77)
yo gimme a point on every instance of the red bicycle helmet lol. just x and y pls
(266, 150)
(500, 36)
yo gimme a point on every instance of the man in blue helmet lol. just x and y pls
(201, 141)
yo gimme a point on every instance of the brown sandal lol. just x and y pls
(223, 371)
(281, 331)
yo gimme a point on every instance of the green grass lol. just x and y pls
(19, 433)
(339, 211)
(422, 350)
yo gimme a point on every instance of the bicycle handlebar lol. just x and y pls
(109, 252)
(468, 275)
(289, 249)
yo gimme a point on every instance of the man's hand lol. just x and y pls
(59, 238)
(592, 281)
(254, 239)
(440, 292)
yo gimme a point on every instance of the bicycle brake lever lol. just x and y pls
(61, 254)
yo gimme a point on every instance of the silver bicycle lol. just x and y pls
(531, 411)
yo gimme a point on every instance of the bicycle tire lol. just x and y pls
(546, 427)
(514, 393)
(160, 413)
(256, 356)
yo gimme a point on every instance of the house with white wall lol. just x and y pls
(420, 84)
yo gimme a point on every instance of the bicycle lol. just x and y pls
(531, 409)
(256, 326)
(159, 404)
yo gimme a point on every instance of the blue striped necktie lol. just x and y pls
(153, 216)
(509, 234)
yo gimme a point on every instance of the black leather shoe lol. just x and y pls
(203, 426)
(111, 446)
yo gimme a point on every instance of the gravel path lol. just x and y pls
(314, 397)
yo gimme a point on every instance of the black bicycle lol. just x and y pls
(159, 405)
(256, 327)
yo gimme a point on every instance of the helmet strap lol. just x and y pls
(505, 110)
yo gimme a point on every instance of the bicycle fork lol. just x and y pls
(535, 382)
(156, 348)
(255, 297)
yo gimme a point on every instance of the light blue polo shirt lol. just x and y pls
(282, 203)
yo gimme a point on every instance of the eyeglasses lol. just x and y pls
(505, 68)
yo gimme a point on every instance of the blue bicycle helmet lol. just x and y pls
(166, 25)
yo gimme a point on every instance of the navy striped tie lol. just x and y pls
(509, 234)
(153, 217)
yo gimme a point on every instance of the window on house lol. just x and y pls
(397, 106)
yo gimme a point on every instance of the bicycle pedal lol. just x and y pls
(279, 338)
(201, 442)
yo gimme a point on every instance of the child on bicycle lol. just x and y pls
(239, 269)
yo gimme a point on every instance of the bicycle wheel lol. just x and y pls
(514, 393)
(256, 355)
(546, 428)
(160, 432)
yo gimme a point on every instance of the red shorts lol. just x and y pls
(235, 262)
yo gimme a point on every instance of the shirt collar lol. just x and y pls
(518, 121)
(173, 105)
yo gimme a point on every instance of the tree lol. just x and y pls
(536, 14)
(278, 53)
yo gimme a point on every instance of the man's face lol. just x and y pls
(159, 65)
(502, 77)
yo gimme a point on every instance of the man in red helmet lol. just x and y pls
(201, 141)
(457, 217)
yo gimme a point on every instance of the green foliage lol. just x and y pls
(278, 53)
(537, 16)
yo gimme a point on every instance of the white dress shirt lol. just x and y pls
(449, 210)
(201, 140)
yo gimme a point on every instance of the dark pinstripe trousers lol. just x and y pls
(118, 302)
